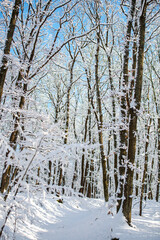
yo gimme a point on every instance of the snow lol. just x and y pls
(77, 218)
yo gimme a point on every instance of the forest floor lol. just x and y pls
(78, 219)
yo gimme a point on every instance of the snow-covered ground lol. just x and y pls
(76, 218)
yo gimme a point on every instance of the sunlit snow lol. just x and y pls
(79, 219)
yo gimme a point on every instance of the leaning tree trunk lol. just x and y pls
(15, 133)
(11, 28)
(133, 116)
(5, 180)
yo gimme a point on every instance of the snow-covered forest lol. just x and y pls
(79, 119)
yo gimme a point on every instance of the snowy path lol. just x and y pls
(78, 222)
(88, 220)
(80, 219)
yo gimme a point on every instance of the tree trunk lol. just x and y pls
(137, 171)
(86, 128)
(133, 116)
(11, 28)
(13, 140)
(49, 174)
(84, 170)
(100, 120)
(144, 178)
(114, 121)
(124, 109)
(150, 193)
(158, 180)
(88, 168)
(62, 176)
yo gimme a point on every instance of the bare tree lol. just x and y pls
(133, 116)
(8, 43)
(29, 46)
(124, 104)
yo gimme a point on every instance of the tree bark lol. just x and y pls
(13, 140)
(8, 43)
(114, 121)
(158, 180)
(100, 119)
(133, 116)
(62, 176)
(83, 169)
(144, 178)
(124, 109)
(137, 170)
